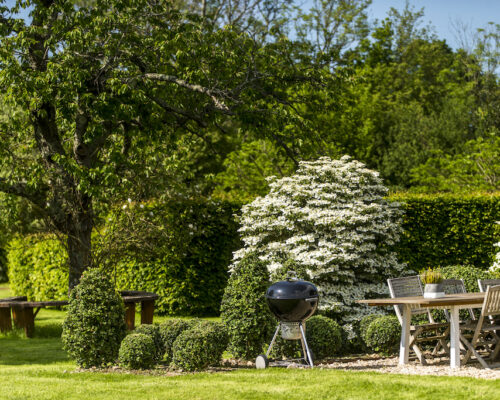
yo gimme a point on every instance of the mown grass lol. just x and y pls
(39, 369)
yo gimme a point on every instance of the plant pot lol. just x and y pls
(433, 291)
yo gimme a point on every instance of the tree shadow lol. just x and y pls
(15, 349)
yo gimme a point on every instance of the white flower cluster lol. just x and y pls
(330, 218)
(496, 263)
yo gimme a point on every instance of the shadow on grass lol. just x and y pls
(15, 349)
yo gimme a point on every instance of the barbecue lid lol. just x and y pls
(292, 288)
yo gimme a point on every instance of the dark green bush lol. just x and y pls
(169, 330)
(441, 230)
(95, 323)
(323, 336)
(365, 323)
(244, 311)
(468, 273)
(38, 267)
(137, 351)
(200, 347)
(153, 331)
(3, 266)
(383, 334)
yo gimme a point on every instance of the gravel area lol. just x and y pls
(436, 367)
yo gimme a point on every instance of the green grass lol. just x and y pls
(39, 369)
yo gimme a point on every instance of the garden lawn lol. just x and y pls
(39, 369)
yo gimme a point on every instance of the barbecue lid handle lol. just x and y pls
(291, 276)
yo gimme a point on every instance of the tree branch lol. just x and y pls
(22, 189)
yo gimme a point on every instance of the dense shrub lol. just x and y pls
(323, 336)
(200, 347)
(169, 330)
(383, 334)
(441, 230)
(153, 331)
(332, 219)
(3, 266)
(244, 311)
(179, 250)
(365, 323)
(38, 267)
(95, 323)
(137, 351)
(469, 274)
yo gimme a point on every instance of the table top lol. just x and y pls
(448, 300)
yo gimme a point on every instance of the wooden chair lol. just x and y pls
(484, 283)
(411, 286)
(484, 330)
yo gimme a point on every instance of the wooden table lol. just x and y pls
(453, 302)
(24, 312)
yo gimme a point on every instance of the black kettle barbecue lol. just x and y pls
(292, 302)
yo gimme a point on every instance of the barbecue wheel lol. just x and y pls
(261, 362)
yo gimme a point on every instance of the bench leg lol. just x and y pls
(18, 317)
(130, 316)
(147, 311)
(5, 320)
(24, 319)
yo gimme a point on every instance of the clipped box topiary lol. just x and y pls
(323, 336)
(170, 330)
(383, 334)
(95, 323)
(365, 323)
(199, 347)
(137, 351)
(153, 331)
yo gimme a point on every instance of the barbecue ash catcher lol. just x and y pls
(292, 301)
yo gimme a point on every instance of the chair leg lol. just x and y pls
(419, 354)
(471, 351)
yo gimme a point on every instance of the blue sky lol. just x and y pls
(442, 14)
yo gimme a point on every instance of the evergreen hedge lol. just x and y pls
(442, 230)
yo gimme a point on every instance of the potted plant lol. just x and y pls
(432, 279)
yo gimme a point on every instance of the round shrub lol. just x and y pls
(153, 331)
(365, 323)
(95, 323)
(137, 351)
(169, 330)
(468, 273)
(199, 347)
(323, 336)
(244, 311)
(383, 334)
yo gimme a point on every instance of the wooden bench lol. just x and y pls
(24, 312)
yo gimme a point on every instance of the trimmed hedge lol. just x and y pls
(137, 351)
(323, 336)
(441, 230)
(38, 267)
(469, 274)
(3, 265)
(153, 331)
(170, 330)
(383, 334)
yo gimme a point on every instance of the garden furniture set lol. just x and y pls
(24, 312)
(478, 337)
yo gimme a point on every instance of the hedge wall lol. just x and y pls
(441, 230)
(3, 265)
(189, 246)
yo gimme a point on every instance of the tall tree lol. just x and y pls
(107, 90)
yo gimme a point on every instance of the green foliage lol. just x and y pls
(169, 330)
(323, 336)
(441, 230)
(179, 250)
(468, 274)
(244, 311)
(95, 323)
(430, 276)
(3, 266)
(365, 323)
(153, 331)
(383, 334)
(38, 267)
(137, 351)
(200, 347)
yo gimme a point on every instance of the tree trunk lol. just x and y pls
(80, 226)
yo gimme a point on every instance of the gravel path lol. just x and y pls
(436, 367)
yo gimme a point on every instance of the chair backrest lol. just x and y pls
(484, 283)
(455, 286)
(491, 305)
(407, 286)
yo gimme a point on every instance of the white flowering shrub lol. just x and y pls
(495, 268)
(331, 220)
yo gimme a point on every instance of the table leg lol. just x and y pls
(147, 311)
(29, 322)
(404, 347)
(130, 316)
(454, 337)
(5, 319)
